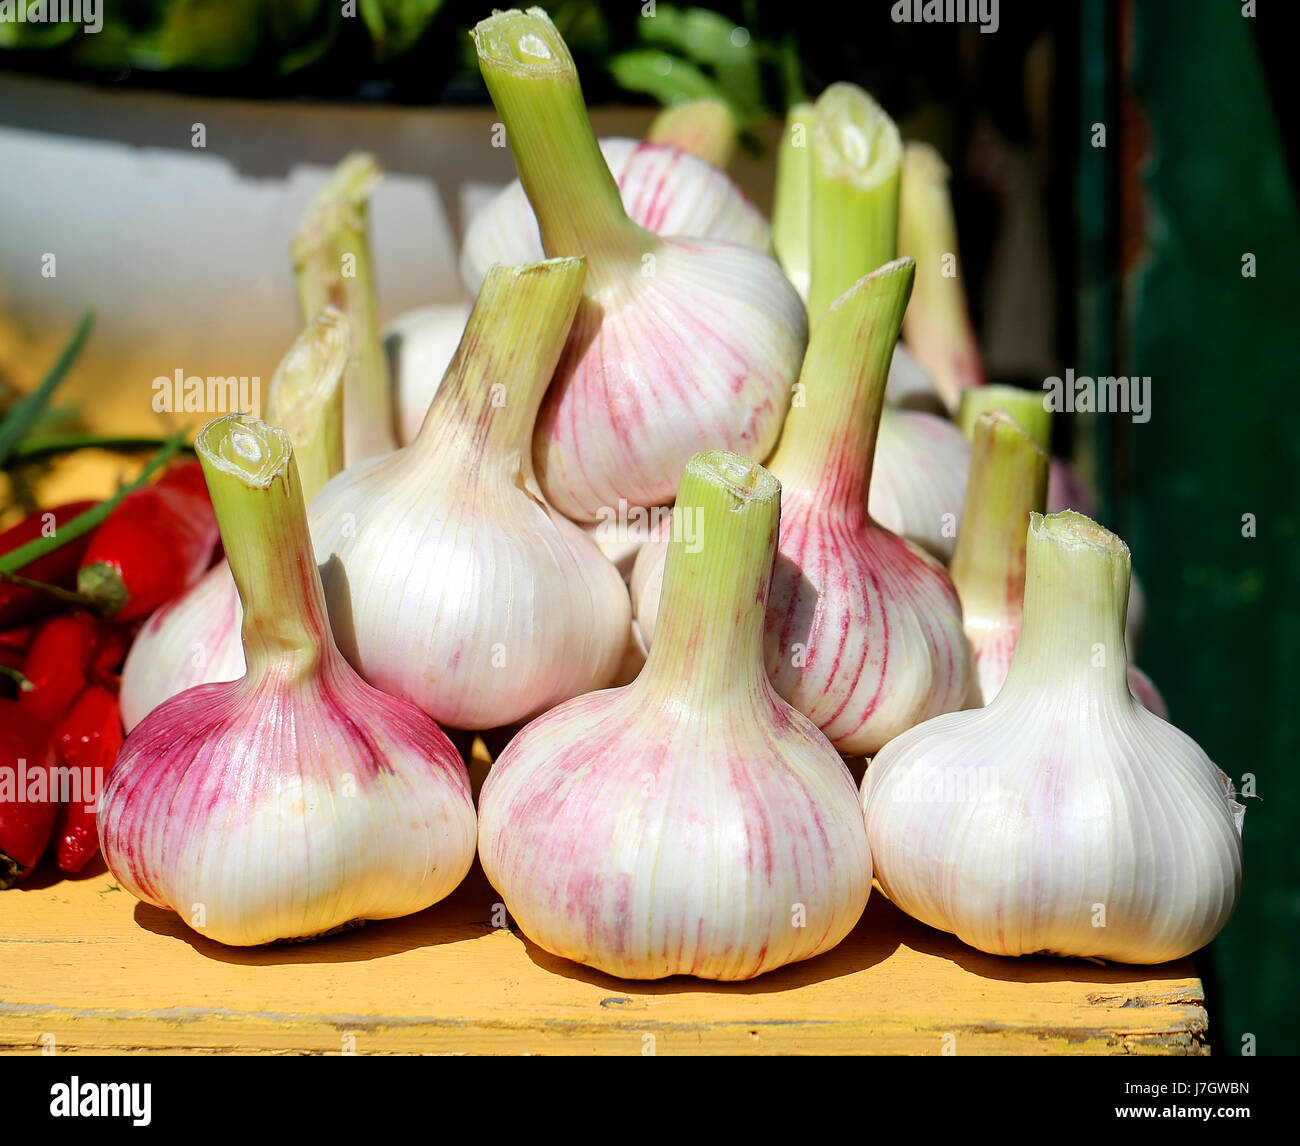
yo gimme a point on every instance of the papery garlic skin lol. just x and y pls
(420, 345)
(691, 822)
(277, 822)
(1063, 818)
(297, 799)
(918, 482)
(701, 353)
(450, 581)
(663, 188)
(190, 641)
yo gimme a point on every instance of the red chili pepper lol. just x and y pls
(87, 740)
(155, 545)
(18, 603)
(58, 665)
(28, 804)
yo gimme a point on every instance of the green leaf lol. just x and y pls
(667, 78)
(24, 413)
(395, 25)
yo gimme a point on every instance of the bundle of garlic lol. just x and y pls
(298, 799)
(331, 259)
(864, 631)
(679, 345)
(1063, 818)
(195, 639)
(450, 581)
(690, 822)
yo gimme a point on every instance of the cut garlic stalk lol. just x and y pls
(450, 581)
(1025, 407)
(704, 128)
(195, 639)
(1064, 818)
(792, 203)
(864, 630)
(1008, 482)
(663, 189)
(299, 799)
(331, 261)
(679, 345)
(856, 160)
(692, 822)
(937, 326)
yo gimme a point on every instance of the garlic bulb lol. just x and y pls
(195, 638)
(663, 188)
(691, 822)
(299, 799)
(918, 482)
(450, 581)
(1063, 818)
(420, 345)
(679, 344)
(937, 326)
(864, 630)
(331, 261)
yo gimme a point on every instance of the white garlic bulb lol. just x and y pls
(450, 581)
(690, 822)
(679, 345)
(663, 188)
(420, 345)
(918, 482)
(1063, 818)
(298, 799)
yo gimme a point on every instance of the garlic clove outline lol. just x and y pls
(690, 822)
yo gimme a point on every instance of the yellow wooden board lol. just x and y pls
(86, 969)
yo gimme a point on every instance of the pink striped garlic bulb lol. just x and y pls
(679, 345)
(864, 629)
(298, 799)
(691, 822)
